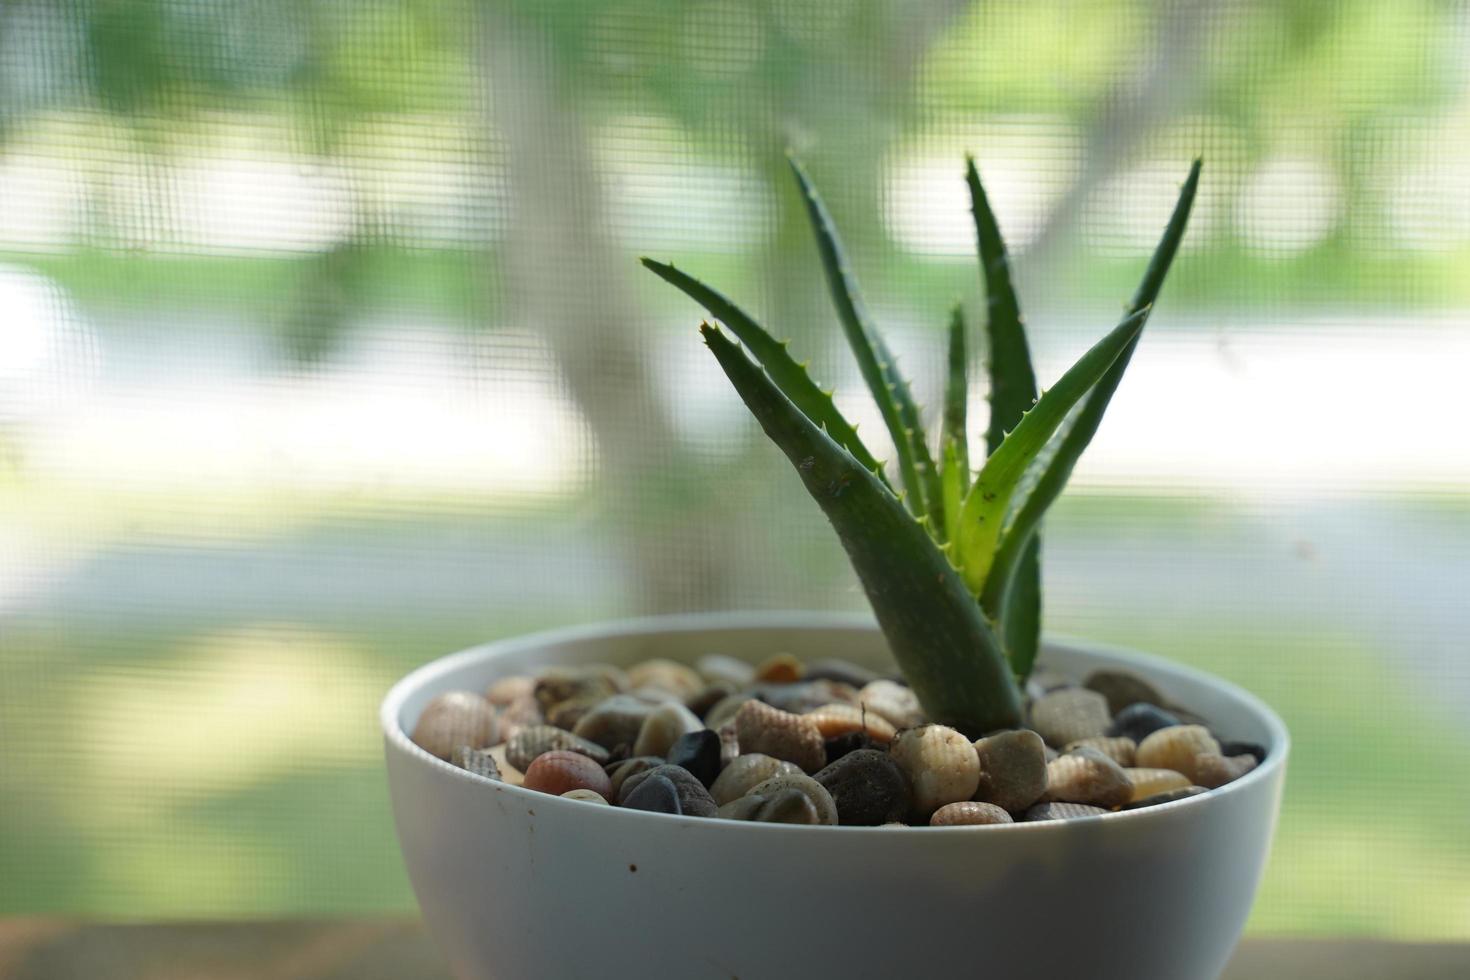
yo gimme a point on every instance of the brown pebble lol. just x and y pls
(1069, 715)
(566, 714)
(586, 796)
(1012, 769)
(530, 742)
(744, 773)
(1182, 793)
(523, 712)
(785, 806)
(1151, 782)
(1061, 811)
(507, 690)
(573, 683)
(678, 679)
(711, 695)
(662, 728)
(560, 771)
(813, 790)
(968, 813)
(1087, 776)
(1176, 748)
(1122, 688)
(1123, 751)
(780, 734)
(718, 668)
(615, 721)
(783, 668)
(1212, 771)
(898, 705)
(725, 710)
(456, 718)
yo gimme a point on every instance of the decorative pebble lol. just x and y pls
(968, 813)
(1012, 769)
(867, 787)
(585, 795)
(896, 704)
(815, 791)
(694, 799)
(1069, 715)
(836, 719)
(1087, 776)
(762, 728)
(787, 806)
(1122, 688)
(698, 752)
(1168, 796)
(619, 772)
(744, 773)
(840, 746)
(803, 696)
(508, 690)
(1061, 811)
(560, 771)
(532, 741)
(566, 714)
(481, 762)
(614, 721)
(1151, 782)
(725, 710)
(657, 794)
(1212, 771)
(717, 668)
(783, 668)
(557, 684)
(662, 728)
(1121, 750)
(706, 699)
(509, 774)
(1139, 721)
(1257, 752)
(456, 718)
(1176, 748)
(842, 671)
(729, 743)
(940, 763)
(678, 679)
(520, 713)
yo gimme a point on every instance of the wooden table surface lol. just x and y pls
(44, 949)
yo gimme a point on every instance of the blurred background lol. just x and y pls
(324, 351)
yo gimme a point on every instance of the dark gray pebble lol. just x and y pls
(846, 672)
(698, 752)
(1138, 721)
(657, 794)
(1228, 748)
(841, 745)
(868, 788)
(620, 772)
(1167, 797)
(694, 799)
(1061, 811)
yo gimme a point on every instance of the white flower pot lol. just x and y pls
(517, 884)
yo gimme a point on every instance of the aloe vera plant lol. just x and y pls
(948, 556)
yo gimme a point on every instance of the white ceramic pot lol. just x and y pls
(515, 884)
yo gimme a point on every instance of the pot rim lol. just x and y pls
(1150, 664)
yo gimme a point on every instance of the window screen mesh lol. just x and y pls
(324, 351)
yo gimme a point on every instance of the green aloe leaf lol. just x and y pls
(788, 374)
(956, 401)
(953, 477)
(1012, 392)
(1050, 483)
(895, 402)
(937, 632)
(989, 499)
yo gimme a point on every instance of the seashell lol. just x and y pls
(614, 721)
(843, 671)
(1169, 796)
(1150, 782)
(762, 728)
(720, 669)
(1139, 721)
(1122, 688)
(725, 709)
(507, 690)
(662, 728)
(519, 714)
(809, 787)
(585, 795)
(1012, 769)
(1176, 748)
(867, 787)
(745, 772)
(968, 814)
(1061, 811)
(1070, 715)
(478, 761)
(560, 771)
(836, 719)
(509, 774)
(940, 763)
(783, 668)
(620, 772)
(786, 806)
(1087, 776)
(533, 740)
(1213, 770)
(694, 799)
(678, 679)
(456, 718)
(584, 682)
(898, 705)
(1123, 751)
